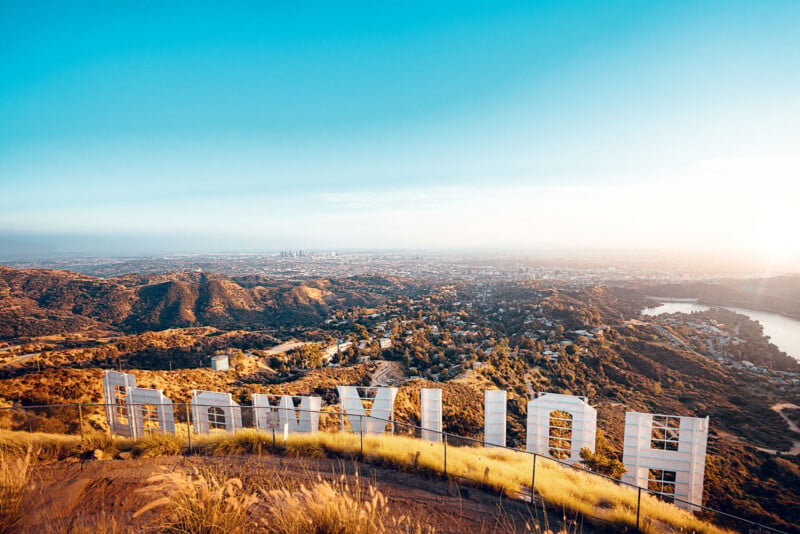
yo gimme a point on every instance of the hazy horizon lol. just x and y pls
(70, 252)
(663, 127)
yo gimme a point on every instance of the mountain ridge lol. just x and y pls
(40, 302)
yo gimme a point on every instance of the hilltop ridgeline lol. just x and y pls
(777, 295)
(42, 302)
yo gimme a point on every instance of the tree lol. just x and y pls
(501, 349)
(603, 460)
(308, 356)
(361, 331)
(313, 356)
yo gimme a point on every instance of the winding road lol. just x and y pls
(382, 375)
(20, 359)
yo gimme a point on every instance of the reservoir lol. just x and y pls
(784, 332)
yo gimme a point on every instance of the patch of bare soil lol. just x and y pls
(387, 374)
(102, 496)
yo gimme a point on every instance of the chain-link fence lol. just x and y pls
(439, 452)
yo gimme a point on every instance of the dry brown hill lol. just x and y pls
(40, 302)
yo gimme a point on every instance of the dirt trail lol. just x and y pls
(529, 387)
(104, 495)
(20, 359)
(795, 449)
(387, 374)
(792, 426)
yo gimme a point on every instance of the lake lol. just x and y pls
(784, 332)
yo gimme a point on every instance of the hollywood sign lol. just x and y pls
(663, 453)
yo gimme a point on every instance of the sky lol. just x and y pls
(254, 126)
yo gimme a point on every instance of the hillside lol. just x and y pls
(778, 295)
(42, 302)
(463, 337)
(315, 476)
(97, 494)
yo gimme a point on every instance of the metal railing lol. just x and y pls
(78, 419)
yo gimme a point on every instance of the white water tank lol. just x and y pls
(219, 362)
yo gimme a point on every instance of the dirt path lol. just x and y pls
(792, 426)
(529, 387)
(283, 348)
(795, 449)
(676, 341)
(97, 496)
(20, 359)
(386, 374)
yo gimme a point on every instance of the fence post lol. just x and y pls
(80, 421)
(638, 507)
(110, 419)
(444, 438)
(188, 427)
(361, 427)
(533, 476)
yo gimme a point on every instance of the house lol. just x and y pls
(550, 355)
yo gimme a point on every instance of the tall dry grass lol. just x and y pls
(102, 523)
(337, 507)
(502, 470)
(157, 445)
(207, 501)
(203, 501)
(46, 446)
(15, 471)
(49, 447)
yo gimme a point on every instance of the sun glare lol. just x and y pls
(778, 238)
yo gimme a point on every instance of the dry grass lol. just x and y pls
(46, 446)
(244, 442)
(108, 446)
(49, 447)
(157, 445)
(502, 470)
(207, 501)
(14, 477)
(333, 507)
(201, 502)
(103, 523)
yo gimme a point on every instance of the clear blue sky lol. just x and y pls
(266, 124)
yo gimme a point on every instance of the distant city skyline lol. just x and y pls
(521, 126)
